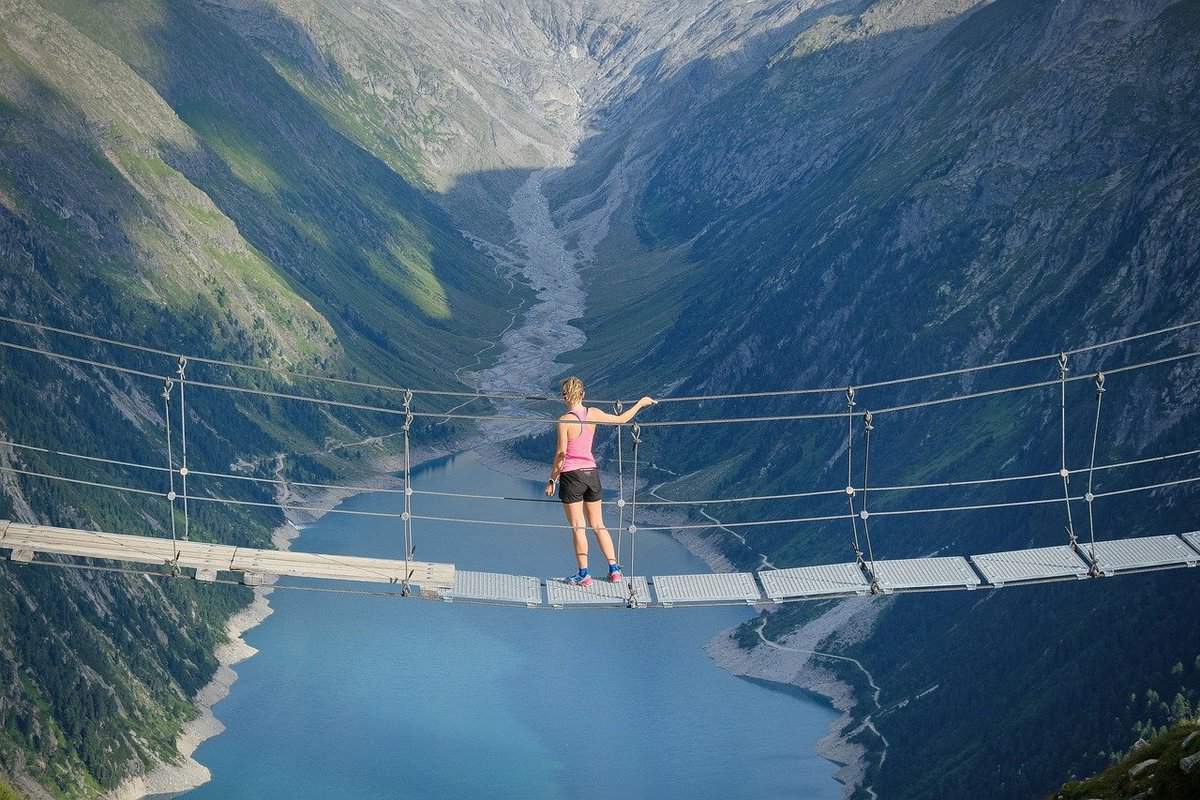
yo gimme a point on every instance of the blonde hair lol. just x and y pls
(572, 390)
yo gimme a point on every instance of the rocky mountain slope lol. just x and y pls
(162, 183)
(755, 195)
(911, 187)
(1166, 767)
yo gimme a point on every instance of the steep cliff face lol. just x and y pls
(161, 182)
(917, 186)
(758, 195)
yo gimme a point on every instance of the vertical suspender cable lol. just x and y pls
(168, 384)
(636, 433)
(406, 516)
(1089, 496)
(868, 426)
(1064, 472)
(849, 473)
(618, 407)
(183, 467)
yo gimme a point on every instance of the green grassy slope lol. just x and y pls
(1164, 779)
(162, 182)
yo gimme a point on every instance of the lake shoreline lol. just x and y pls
(169, 779)
(795, 665)
(172, 779)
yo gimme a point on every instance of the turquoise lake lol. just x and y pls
(369, 697)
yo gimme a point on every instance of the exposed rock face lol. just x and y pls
(744, 196)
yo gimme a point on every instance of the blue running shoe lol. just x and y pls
(614, 573)
(579, 579)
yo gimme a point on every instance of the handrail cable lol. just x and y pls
(618, 407)
(1089, 496)
(1063, 471)
(635, 432)
(631, 528)
(555, 421)
(540, 398)
(868, 426)
(183, 467)
(754, 498)
(166, 396)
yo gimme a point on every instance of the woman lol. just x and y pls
(578, 479)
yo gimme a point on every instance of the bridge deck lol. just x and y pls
(1139, 555)
(27, 540)
(925, 574)
(990, 570)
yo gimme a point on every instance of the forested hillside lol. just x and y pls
(160, 182)
(911, 187)
(757, 196)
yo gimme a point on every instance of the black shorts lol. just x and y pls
(579, 484)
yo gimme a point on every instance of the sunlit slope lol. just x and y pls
(156, 152)
(162, 183)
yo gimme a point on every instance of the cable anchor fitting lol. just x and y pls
(850, 394)
(636, 432)
(168, 387)
(408, 415)
(183, 362)
(1100, 383)
(1062, 363)
(868, 419)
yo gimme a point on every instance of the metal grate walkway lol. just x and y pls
(206, 561)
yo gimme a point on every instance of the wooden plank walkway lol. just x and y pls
(25, 541)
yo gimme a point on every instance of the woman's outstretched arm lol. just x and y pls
(596, 415)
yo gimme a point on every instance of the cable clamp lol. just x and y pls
(168, 386)
(850, 394)
(408, 415)
(618, 406)
(1062, 363)
(636, 432)
(183, 362)
(868, 419)
(1100, 383)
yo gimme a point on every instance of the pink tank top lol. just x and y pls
(579, 449)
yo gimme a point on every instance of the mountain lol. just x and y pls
(910, 187)
(751, 196)
(162, 182)
(1165, 767)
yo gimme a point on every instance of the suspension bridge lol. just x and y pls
(1075, 558)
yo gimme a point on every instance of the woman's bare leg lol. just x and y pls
(574, 512)
(595, 515)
